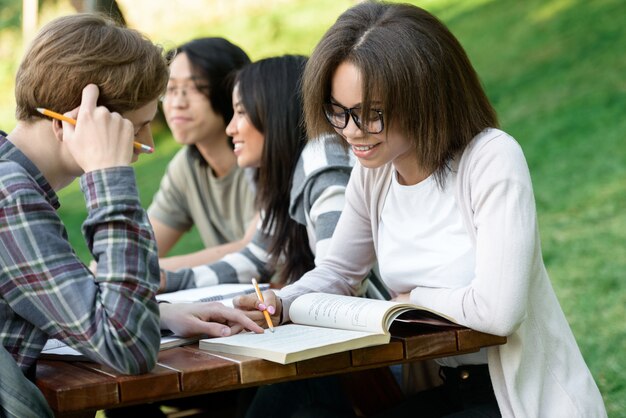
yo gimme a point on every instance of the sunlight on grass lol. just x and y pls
(448, 9)
(153, 16)
(279, 26)
(550, 9)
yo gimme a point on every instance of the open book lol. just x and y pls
(324, 324)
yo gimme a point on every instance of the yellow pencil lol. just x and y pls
(139, 147)
(265, 313)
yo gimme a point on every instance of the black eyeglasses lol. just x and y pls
(338, 115)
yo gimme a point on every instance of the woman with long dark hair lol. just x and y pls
(300, 185)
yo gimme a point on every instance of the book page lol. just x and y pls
(171, 341)
(425, 317)
(339, 311)
(293, 342)
(218, 292)
(54, 347)
(57, 349)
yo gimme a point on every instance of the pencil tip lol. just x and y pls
(40, 109)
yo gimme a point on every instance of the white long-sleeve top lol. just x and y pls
(540, 371)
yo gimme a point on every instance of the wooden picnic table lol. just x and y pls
(78, 388)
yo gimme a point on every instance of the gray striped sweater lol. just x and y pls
(316, 201)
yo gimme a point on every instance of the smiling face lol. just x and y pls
(187, 109)
(372, 150)
(248, 141)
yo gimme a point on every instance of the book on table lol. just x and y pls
(325, 324)
(57, 350)
(219, 293)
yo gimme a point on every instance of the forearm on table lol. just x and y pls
(198, 258)
(211, 254)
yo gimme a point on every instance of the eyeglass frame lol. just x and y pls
(184, 91)
(357, 120)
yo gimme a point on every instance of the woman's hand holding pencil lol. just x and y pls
(262, 308)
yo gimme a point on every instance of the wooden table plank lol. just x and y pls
(323, 365)
(255, 370)
(469, 340)
(394, 351)
(199, 371)
(424, 342)
(71, 388)
(160, 382)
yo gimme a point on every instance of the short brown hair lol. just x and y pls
(72, 51)
(416, 68)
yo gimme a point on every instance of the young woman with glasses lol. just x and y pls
(443, 200)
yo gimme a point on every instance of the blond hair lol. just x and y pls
(72, 51)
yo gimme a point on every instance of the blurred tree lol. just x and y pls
(107, 7)
(10, 14)
(30, 16)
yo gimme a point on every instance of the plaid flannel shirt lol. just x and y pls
(47, 292)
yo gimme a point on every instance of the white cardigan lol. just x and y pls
(540, 371)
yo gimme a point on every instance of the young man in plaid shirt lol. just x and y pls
(109, 79)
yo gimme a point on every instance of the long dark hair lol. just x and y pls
(415, 67)
(269, 90)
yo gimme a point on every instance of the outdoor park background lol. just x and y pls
(555, 71)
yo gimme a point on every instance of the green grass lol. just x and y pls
(554, 73)
(554, 70)
(148, 172)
